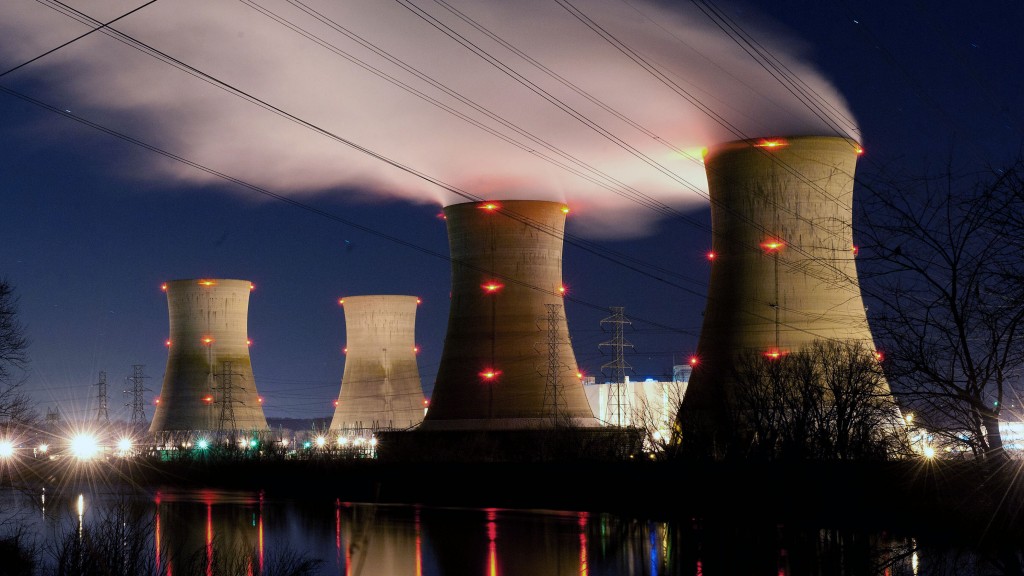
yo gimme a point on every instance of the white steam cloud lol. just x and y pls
(593, 128)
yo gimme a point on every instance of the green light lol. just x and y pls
(307, 444)
(253, 443)
(202, 445)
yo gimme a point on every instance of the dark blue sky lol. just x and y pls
(90, 227)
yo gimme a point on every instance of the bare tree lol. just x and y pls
(943, 274)
(15, 406)
(827, 401)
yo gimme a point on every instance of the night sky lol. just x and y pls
(91, 224)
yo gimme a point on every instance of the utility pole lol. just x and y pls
(101, 397)
(226, 422)
(136, 389)
(618, 366)
(552, 387)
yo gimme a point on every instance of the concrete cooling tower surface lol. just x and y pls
(499, 367)
(209, 384)
(783, 272)
(380, 388)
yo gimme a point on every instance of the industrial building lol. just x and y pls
(507, 362)
(649, 404)
(380, 387)
(209, 384)
(783, 270)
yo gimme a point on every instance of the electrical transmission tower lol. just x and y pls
(618, 366)
(552, 387)
(136, 388)
(101, 397)
(226, 421)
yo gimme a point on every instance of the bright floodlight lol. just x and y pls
(84, 446)
(202, 444)
(320, 441)
(929, 452)
(44, 448)
(124, 445)
(6, 449)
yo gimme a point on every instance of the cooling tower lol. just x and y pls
(507, 361)
(782, 269)
(209, 383)
(380, 387)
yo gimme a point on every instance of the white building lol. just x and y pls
(648, 404)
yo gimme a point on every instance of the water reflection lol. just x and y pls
(211, 532)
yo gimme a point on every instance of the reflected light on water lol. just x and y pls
(583, 543)
(209, 538)
(157, 531)
(492, 546)
(261, 532)
(81, 513)
(419, 543)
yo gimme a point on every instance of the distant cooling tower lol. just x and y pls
(209, 383)
(381, 384)
(782, 271)
(507, 347)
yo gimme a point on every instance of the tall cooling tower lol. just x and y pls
(380, 387)
(209, 383)
(507, 361)
(782, 271)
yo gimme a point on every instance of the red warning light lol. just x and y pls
(694, 361)
(489, 206)
(156, 400)
(248, 342)
(711, 255)
(259, 399)
(415, 349)
(419, 301)
(490, 374)
(341, 301)
(879, 355)
(771, 144)
(441, 216)
(426, 402)
(860, 151)
(251, 286)
(562, 290)
(492, 287)
(167, 343)
(344, 350)
(208, 399)
(335, 403)
(164, 287)
(565, 209)
(207, 283)
(207, 340)
(773, 354)
(579, 375)
(772, 245)
(855, 250)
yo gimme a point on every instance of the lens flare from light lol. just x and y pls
(85, 446)
(6, 448)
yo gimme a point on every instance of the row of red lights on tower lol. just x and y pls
(415, 350)
(209, 399)
(774, 245)
(341, 301)
(775, 354)
(776, 143)
(206, 340)
(207, 283)
(494, 286)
